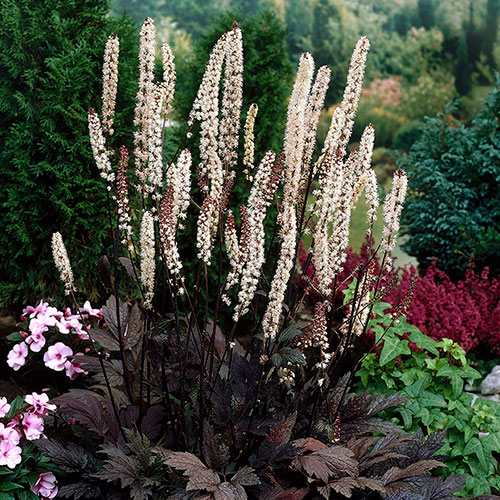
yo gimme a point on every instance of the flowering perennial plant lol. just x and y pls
(198, 384)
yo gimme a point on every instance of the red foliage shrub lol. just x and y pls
(466, 311)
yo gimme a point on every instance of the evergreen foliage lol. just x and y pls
(50, 66)
(453, 207)
(463, 68)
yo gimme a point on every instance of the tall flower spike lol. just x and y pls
(294, 148)
(147, 244)
(393, 206)
(232, 99)
(253, 246)
(167, 223)
(110, 82)
(339, 240)
(312, 114)
(331, 185)
(97, 143)
(343, 117)
(124, 219)
(365, 175)
(154, 170)
(168, 75)
(248, 158)
(62, 263)
(143, 109)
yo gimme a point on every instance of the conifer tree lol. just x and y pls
(50, 74)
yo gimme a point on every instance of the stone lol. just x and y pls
(491, 384)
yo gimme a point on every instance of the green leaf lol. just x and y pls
(293, 356)
(15, 407)
(393, 347)
(475, 447)
(9, 486)
(430, 399)
(422, 341)
(15, 337)
(292, 330)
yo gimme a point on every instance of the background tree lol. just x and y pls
(50, 65)
(453, 208)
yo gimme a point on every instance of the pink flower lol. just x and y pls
(10, 454)
(40, 403)
(9, 434)
(4, 407)
(32, 426)
(45, 486)
(17, 356)
(56, 356)
(66, 324)
(73, 369)
(36, 341)
(87, 309)
(33, 311)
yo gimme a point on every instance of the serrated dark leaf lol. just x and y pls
(395, 474)
(292, 330)
(70, 457)
(105, 338)
(151, 425)
(80, 490)
(109, 313)
(245, 477)
(129, 267)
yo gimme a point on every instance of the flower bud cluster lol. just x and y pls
(110, 82)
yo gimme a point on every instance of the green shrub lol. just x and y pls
(453, 209)
(50, 67)
(433, 379)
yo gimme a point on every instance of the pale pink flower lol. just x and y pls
(56, 356)
(73, 369)
(36, 341)
(17, 356)
(9, 433)
(87, 309)
(32, 426)
(45, 486)
(39, 402)
(4, 407)
(33, 311)
(10, 454)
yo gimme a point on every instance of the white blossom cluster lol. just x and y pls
(98, 145)
(143, 109)
(393, 205)
(148, 265)
(110, 82)
(61, 260)
(248, 158)
(293, 148)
